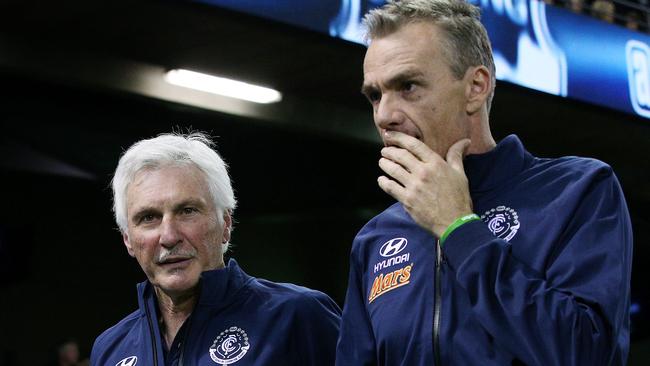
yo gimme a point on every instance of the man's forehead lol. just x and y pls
(401, 65)
(172, 172)
(416, 33)
(413, 49)
(413, 40)
(385, 52)
(167, 185)
(159, 203)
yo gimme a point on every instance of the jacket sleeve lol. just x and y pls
(577, 311)
(93, 355)
(356, 344)
(316, 329)
(97, 351)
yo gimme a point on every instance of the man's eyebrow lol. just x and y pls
(190, 202)
(394, 80)
(402, 76)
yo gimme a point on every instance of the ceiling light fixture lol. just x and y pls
(222, 86)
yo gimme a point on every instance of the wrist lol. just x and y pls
(456, 224)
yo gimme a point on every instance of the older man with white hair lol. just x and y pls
(173, 203)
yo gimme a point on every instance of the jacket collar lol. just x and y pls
(217, 287)
(489, 170)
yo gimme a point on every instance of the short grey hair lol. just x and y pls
(466, 43)
(173, 149)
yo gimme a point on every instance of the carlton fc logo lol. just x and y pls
(393, 247)
(502, 221)
(229, 346)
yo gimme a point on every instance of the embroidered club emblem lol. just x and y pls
(502, 222)
(229, 346)
(129, 361)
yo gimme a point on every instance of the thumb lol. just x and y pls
(456, 153)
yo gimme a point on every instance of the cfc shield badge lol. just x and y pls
(229, 346)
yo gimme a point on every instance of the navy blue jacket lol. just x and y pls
(238, 320)
(543, 279)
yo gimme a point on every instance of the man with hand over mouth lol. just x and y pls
(491, 256)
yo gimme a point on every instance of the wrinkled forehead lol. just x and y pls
(163, 182)
(414, 43)
(167, 170)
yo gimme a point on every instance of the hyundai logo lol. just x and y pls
(393, 247)
(129, 361)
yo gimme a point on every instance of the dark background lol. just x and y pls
(305, 186)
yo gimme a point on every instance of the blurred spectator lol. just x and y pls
(603, 10)
(632, 19)
(576, 6)
(67, 354)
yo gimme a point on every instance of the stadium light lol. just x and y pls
(222, 86)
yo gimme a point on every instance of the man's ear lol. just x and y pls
(227, 226)
(129, 248)
(479, 88)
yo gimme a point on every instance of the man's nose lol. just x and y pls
(387, 114)
(169, 233)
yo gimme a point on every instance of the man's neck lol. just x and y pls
(173, 312)
(480, 134)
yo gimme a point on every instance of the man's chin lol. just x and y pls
(179, 282)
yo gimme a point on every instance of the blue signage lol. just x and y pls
(546, 48)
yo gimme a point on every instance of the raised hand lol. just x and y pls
(433, 190)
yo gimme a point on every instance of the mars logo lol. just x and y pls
(385, 283)
(129, 361)
(638, 74)
(393, 247)
(502, 221)
(229, 346)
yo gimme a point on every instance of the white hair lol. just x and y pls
(172, 149)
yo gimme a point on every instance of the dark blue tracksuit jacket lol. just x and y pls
(543, 279)
(238, 320)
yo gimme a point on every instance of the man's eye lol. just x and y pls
(408, 86)
(147, 218)
(188, 210)
(373, 96)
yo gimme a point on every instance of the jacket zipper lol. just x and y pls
(436, 308)
(153, 335)
(185, 336)
(180, 358)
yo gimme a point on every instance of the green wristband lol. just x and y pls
(456, 224)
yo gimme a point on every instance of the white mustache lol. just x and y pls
(175, 253)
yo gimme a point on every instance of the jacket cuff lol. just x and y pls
(464, 240)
